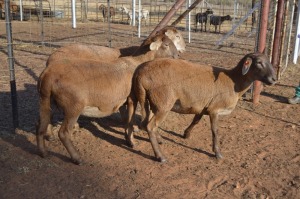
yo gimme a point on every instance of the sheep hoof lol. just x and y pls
(219, 156)
(162, 160)
(77, 161)
(50, 138)
(44, 154)
(186, 135)
(159, 140)
(142, 127)
(136, 129)
(131, 144)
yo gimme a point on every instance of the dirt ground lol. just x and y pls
(261, 144)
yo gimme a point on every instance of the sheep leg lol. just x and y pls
(215, 140)
(41, 134)
(64, 135)
(197, 118)
(131, 107)
(123, 113)
(151, 129)
(50, 135)
(146, 114)
(42, 126)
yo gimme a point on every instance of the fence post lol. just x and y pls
(73, 14)
(277, 37)
(297, 38)
(13, 89)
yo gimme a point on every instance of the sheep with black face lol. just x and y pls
(190, 88)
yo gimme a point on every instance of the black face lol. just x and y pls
(228, 17)
(209, 11)
(263, 70)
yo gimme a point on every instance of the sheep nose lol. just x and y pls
(176, 56)
(272, 80)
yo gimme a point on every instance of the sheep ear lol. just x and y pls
(246, 66)
(155, 45)
(168, 33)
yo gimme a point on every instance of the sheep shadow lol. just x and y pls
(27, 101)
(108, 124)
(111, 124)
(185, 146)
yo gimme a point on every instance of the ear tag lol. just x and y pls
(246, 66)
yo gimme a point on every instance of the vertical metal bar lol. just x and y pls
(290, 33)
(297, 39)
(262, 44)
(282, 42)
(275, 3)
(253, 20)
(140, 17)
(108, 20)
(21, 10)
(278, 27)
(42, 20)
(133, 13)
(13, 89)
(73, 14)
(189, 22)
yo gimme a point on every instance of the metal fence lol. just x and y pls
(88, 10)
(286, 34)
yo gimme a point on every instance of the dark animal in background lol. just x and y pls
(104, 11)
(201, 18)
(218, 20)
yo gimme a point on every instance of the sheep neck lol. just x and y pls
(144, 54)
(241, 82)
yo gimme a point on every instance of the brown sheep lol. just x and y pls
(103, 53)
(90, 87)
(108, 54)
(190, 88)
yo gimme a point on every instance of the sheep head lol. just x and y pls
(256, 66)
(173, 34)
(164, 47)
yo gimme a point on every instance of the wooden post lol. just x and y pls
(277, 37)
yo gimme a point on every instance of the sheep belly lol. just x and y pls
(225, 111)
(91, 111)
(192, 109)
